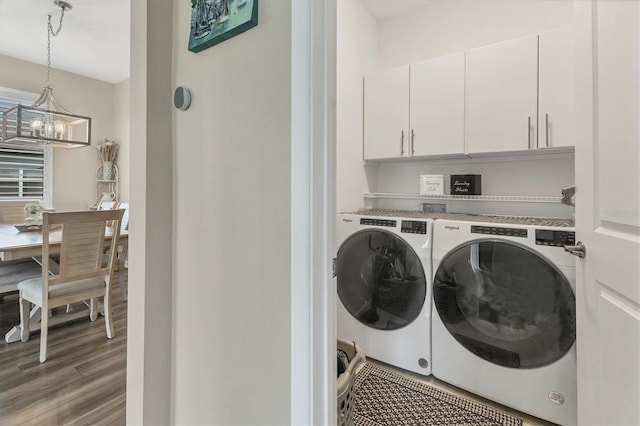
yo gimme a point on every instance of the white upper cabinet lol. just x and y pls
(518, 97)
(502, 96)
(437, 106)
(416, 110)
(386, 114)
(556, 104)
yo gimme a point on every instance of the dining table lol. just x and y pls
(18, 244)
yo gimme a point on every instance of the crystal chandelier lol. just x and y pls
(46, 121)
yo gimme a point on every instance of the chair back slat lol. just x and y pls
(12, 214)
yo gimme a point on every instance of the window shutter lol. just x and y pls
(21, 169)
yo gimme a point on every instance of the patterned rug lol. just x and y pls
(384, 398)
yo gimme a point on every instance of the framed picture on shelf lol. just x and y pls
(214, 21)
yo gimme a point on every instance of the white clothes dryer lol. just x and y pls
(503, 322)
(383, 270)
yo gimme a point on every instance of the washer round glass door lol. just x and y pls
(505, 303)
(381, 281)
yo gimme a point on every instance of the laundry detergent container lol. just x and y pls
(350, 358)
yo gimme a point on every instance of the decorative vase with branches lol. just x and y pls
(108, 151)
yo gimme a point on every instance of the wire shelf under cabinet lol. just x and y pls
(495, 198)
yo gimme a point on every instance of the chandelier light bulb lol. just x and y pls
(48, 130)
(36, 127)
(60, 128)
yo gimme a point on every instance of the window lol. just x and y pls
(22, 169)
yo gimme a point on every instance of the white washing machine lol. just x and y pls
(503, 322)
(383, 270)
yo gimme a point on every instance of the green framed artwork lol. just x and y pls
(214, 21)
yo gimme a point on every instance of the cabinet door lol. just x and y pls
(502, 96)
(437, 106)
(386, 114)
(556, 104)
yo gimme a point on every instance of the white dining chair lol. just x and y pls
(123, 249)
(14, 271)
(82, 274)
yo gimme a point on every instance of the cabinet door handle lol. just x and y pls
(402, 144)
(413, 135)
(529, 132)
(546, 122)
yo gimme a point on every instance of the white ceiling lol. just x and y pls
(94, 40)
(383, 10)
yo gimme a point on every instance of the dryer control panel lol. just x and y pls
(413, 227)
(378, 222)
(548, 237)
(494, 230)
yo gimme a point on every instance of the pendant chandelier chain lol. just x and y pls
(51, 32)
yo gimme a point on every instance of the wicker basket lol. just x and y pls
(346, 382)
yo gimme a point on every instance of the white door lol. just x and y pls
(556, 99)
(386, 114)
(607, 211)
(502, 96)
(437, 106)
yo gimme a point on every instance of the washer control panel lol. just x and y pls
(494, 230)
(413, 227)
(378, 222)
(548, 237)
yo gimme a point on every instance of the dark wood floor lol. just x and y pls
(83, 381)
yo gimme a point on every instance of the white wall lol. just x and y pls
(446, 26)
(121, 134)
(74, 170)
(231, 160)
(357, 53)
(436, 29)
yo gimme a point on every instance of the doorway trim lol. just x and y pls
(149, 335)
(313, 134)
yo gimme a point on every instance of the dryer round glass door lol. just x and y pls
(505, 303)
(381, 281)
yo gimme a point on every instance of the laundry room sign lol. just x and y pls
(466, 185)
